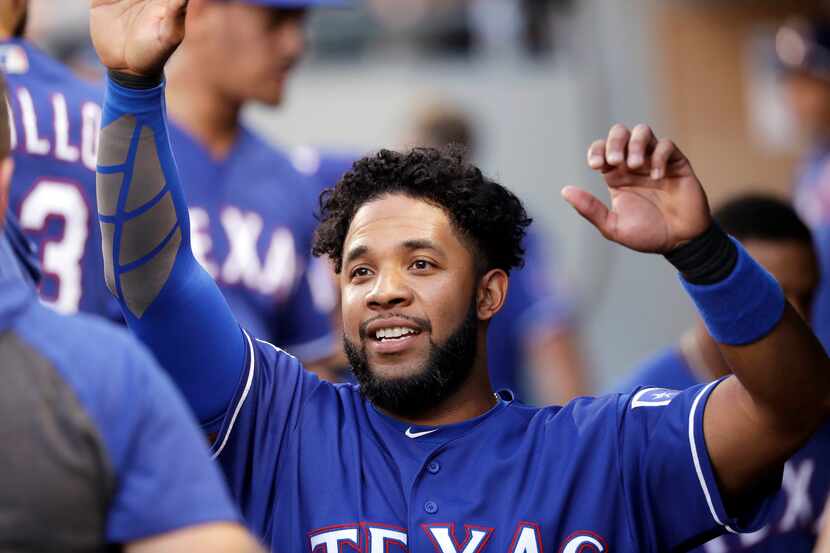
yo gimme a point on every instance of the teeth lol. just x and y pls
(392, 333)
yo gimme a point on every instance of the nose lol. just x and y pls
(390, 290)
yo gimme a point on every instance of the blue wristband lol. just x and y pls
(742, 308)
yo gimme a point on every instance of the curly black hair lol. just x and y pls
(487, 214)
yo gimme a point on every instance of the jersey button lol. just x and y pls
(434, 467)
(431, 507)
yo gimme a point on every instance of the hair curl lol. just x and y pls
(488, 215)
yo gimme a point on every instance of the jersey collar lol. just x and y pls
(433, 435)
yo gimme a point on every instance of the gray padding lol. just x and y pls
(107, 239)
(148, 166)
(140, 235)
(142, 285)
(56, 481)
(115, 141)
(107, 190)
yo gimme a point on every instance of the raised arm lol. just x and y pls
(168, 300)
(754, 422)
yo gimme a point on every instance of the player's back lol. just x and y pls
(79, 470)
(56, 117)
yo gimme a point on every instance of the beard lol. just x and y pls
(446, 368)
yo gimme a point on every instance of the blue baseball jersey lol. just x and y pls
(535, 303)
(252, 220)
(795, 514)
(101, 448)
(55, 124)
(315, 467)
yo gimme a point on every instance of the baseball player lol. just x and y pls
(251, 211)
(80, 472)
(772, 232)
(55, 124)
(421, 455)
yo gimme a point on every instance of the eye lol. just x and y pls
(421, 265)
(360, 272)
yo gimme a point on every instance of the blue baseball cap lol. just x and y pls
(803, 46)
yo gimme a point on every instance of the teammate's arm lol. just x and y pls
(754, 422)
(206, 538)
(168, 300)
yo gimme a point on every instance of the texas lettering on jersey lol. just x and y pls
(378, 538)
(275, 275)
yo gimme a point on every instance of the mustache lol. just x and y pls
(422, 325)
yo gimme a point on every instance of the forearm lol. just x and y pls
(168, 300)
(768, 346)
(755, 422)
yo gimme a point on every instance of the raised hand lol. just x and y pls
(657, 202)
(137, 36)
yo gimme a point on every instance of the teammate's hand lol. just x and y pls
(657, 202)
(137, 36)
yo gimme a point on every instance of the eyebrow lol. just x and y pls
(420, 245)
(358, 251)
(354, 253)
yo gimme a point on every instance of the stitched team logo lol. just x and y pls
(653, 397)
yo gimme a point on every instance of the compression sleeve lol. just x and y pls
(168, 300)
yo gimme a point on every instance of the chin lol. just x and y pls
(390, 372)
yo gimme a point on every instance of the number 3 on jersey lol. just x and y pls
(57, 211)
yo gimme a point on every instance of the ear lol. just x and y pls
(492, 293)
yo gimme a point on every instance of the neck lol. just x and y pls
(473, 399)
(203, 111)
(703, 355)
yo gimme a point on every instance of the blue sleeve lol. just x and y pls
(165, 477)
(668, 479)
(168, 300)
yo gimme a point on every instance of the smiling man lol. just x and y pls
(422, 456)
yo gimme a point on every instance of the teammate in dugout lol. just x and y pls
(772, 232)
(422, 455)
(54, 141)
(252, 213)
(79, 472)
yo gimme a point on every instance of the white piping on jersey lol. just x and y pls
(696, 459)
(241, 398)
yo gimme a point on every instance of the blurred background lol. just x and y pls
(540, 79)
